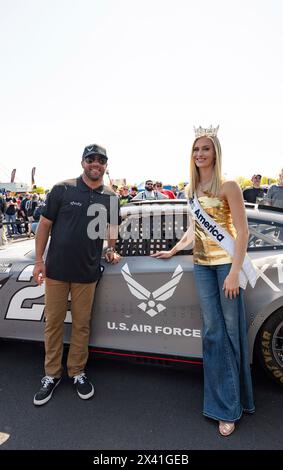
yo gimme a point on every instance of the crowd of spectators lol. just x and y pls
(19, 214)
(152, 191)
(255, 194)
(258, 194)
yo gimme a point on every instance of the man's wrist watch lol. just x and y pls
(110, 249)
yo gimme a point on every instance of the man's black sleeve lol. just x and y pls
(53, 202)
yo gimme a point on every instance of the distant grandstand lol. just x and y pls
(14, 187)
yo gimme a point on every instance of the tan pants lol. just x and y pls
(56, 304)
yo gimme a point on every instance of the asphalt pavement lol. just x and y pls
(136, 406)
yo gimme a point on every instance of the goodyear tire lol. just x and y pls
(270, 346)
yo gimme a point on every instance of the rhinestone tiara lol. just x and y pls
(206, 131)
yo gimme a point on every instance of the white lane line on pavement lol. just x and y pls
(3, 437)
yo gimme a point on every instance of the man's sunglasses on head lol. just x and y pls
(96, 158)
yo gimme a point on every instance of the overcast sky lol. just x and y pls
(135, 76)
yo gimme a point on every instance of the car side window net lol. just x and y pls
(265, 235)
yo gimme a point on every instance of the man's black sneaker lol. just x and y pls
(84, 388)
(45, 392)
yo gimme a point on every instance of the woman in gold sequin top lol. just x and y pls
(227, 378)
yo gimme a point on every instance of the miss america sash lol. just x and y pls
(248, 272)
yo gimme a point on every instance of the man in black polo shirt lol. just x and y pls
(73, 265)
(250, 194)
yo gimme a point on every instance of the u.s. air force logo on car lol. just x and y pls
(152, 300)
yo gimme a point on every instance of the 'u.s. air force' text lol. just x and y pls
(157, 329)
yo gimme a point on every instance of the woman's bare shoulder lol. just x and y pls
(230, 185)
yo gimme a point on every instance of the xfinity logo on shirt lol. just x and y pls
(75, 203)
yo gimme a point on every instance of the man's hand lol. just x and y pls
(39, 273)
(111, 256)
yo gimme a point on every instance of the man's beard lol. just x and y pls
(92, 177)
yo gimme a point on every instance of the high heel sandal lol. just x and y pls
(226, 428)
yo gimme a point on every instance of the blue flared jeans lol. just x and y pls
(227, 376)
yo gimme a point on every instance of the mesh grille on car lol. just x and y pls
(143, 237)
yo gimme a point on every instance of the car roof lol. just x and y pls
(152, 206)
(142, 202)
(268, 213)
(254, 211)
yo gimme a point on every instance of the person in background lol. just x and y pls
(115, 189)
(149, 193)
(251, 194)
(30, 206)
(119, 191)
(36, 215)
(175, 191)
(133, 191)
(219, 204)
(125, 197)
(24, 204)
(274, 195)
(72, 265)
(3, 206)
(167, 192)
(182, 192)
(46, 194)
(10, 216)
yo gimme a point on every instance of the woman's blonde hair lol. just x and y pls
(217, 179)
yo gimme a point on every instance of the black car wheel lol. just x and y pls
(270, 346)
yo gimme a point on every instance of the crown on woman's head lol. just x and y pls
(206, 131)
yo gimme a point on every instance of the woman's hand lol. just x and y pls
(231, 286)
(162, 254)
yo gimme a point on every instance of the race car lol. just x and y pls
(147, 307)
